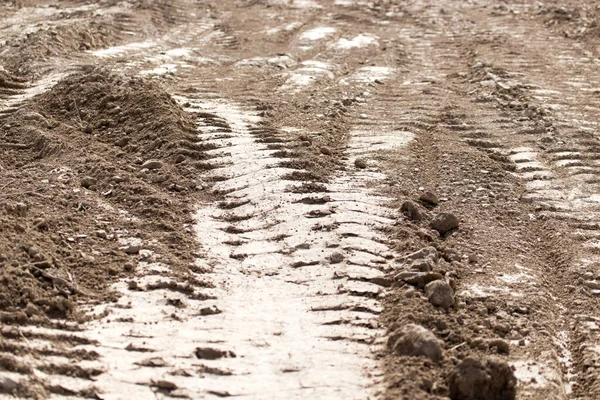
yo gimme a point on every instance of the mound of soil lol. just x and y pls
(97, 163)
(20, 54)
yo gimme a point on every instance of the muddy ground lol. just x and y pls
(299, 199)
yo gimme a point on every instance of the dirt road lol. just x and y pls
(298, 199)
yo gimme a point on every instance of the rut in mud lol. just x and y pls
(304, 199)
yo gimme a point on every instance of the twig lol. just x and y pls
(20, 146)
(78, 113)
(8, 184)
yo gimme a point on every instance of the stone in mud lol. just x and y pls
(360, 163)
(440, 294)
(411, 211)
(425, 252)
(414, 340)
(336, 257)
(444, 222)
(482, 379)
(152, 164)
(429, 198)
(326, 150)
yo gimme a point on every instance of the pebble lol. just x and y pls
(444, 222)
(473, 258)
(411, 211)
(440, 294)
(410, 292)
(101, 233)
(326, 150)
(414, 340)
(336, 257)
(360, 163)
(152, 164)
(429, 198)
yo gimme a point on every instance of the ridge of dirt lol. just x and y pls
(75, 187)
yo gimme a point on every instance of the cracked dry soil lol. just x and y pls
(271, 199)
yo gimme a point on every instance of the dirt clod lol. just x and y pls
(440, 294)
(414, 340)
(360, 163)
(429, 198)
(444, 222)
(209, 353)
(482, 379)
(411, 211)
(336, 257)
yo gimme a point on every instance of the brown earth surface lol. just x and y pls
(270, 199)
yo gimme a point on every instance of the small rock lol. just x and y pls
(129, 267)
(159, 178)
(40, 223)
(425, 252)
(132, 249)
(142, 172)
(410, 292)
(326, 150)
(487, 379)
(164, 385)
(7, 385)
(210, 311)
(473, 258)
(502, 328)
(336, 257)
(440, 294)
(411, 211)
(88, 181)
(208, 353)
(360, 163)
(592, 284)
(501, 346)
(152, 164)
(101, 233)
(414, 340)
(404, 275)
(429, 198)
(444, 222)
(121, 142)
(132, 285)
(422, 265)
